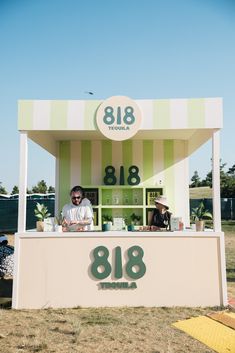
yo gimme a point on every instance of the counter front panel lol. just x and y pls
(97, 269)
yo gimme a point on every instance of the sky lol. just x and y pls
(143, 49)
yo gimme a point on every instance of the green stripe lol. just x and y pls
(161, 114)
(86, 162)
(90, 114)
(169, 170)
(196, 113)
(59, 111)
(25, 115)
(127, 194)
(64, 173)
(106, 197)
(147, 159)
(126, 157)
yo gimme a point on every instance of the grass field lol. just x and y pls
(204, 192)
(147, 330)
(229, 229)
(104, 330)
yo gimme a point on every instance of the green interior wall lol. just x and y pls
(106, 159)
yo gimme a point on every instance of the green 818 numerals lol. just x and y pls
(110, 117)
(101, 267)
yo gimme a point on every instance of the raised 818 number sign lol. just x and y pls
(134, 267)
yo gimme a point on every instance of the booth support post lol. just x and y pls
(57, 173)
(216, 181)
(23, 182)
(217, 211)
(21, 212)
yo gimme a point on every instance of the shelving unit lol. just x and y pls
(122, 201)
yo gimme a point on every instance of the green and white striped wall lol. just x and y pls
(157, 114)
(160, 162)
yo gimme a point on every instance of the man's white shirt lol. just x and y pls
(81, 212)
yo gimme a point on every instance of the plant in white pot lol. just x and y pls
(199, 214)
(59, 221)
(41, 212)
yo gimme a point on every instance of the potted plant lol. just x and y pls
(135, 219)
(41, 212)
(107, 222)
(59, 223)
(199, 214)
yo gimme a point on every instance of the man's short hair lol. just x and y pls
(77, 188)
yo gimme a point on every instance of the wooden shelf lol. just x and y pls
(122, 201)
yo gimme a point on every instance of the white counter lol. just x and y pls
(171, 269)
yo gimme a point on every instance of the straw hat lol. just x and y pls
(162, 200)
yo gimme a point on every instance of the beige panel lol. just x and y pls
(54, 271)
(213, 112)
(75, 119)
(178, 113)
(146, 107)
(41, 115)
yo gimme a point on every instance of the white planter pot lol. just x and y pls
(40, 226)
(200, 225)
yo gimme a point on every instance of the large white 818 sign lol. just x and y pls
(118, 118)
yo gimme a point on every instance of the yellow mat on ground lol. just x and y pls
(224, 318)
(210, 332)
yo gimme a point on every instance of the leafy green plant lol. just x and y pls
(199, 213)
(127, 221)
(59, 219)
(107, 218)
(41, 211)
(135, 218)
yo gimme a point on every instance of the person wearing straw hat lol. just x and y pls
(161, 217)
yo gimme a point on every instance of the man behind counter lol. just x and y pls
(77, 215)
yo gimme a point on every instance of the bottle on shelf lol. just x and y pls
(126, 199)
(135, 198)
(116, 199)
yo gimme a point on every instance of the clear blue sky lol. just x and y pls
(58, 49)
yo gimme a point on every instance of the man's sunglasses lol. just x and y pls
(76, 197)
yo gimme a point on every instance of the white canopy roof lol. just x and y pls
(49, 121)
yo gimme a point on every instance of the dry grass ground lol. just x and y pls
(103, 330)
(229, 229)
(147, 330)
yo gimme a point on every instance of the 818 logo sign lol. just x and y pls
(118, 118)
(103, 266)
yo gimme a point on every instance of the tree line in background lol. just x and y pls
(40, 188)
(227, 181)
